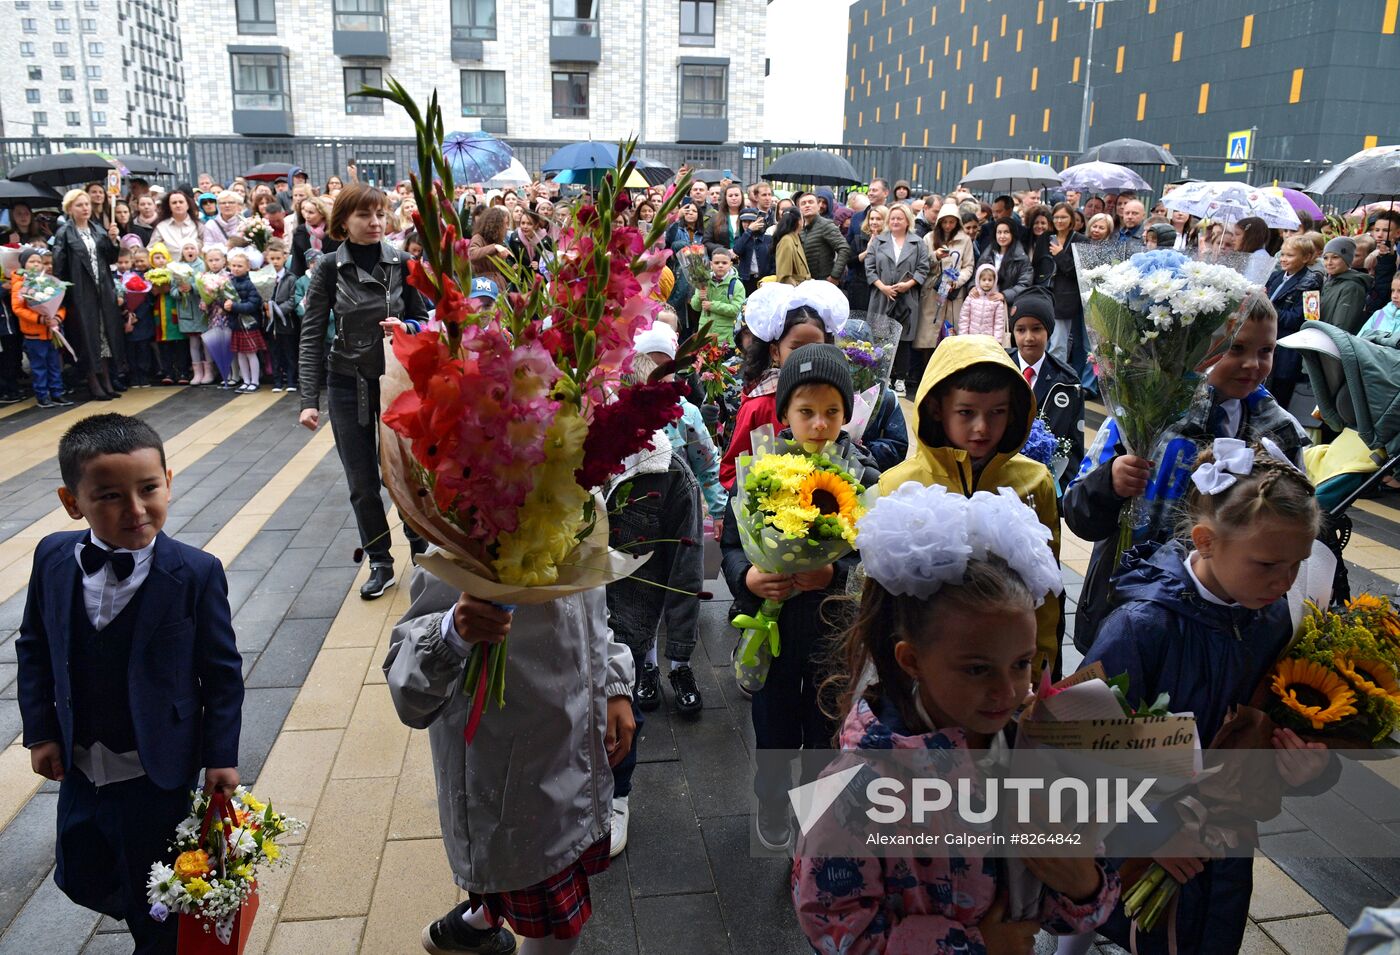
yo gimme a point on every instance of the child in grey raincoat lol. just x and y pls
(525, 809)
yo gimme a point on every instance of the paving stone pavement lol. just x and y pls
(320, 738)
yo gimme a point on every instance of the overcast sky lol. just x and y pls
(807, 70)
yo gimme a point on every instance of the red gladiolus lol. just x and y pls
(625, 427)
(421, 278)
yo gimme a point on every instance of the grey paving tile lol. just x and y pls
(612, 929)
(27, 846)
(320, 529)
(743, 716)
(10, 723)
(213, 516)
(290, 571)
(111, 943)
(49, 922)
(323, 593)
(1344, 887)
(682, 925)
(266, 608)
(716, 765)
(240, 586)
(7, 674)
(340, 552)
(264, 711)
(716, 635)
(12, 612)
(262, 552)
(655, 743)
(1373, 796)
(753, 892)
(289, 654)
(665, 851)
(1285, 821)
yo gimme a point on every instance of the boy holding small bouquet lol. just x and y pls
(33, 298)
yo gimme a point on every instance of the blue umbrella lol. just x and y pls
(583, 158)
(475, 156)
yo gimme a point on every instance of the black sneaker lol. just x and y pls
(774, 827)
(687, 694)
(61, 401)
(43, 403)
(647, 693)
(381, 578)
(10, 399)
(450, 934)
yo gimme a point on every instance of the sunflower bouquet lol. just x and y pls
(795, 511)
(221, 844)
(1339, 679)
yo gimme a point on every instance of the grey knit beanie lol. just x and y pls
(816, 364)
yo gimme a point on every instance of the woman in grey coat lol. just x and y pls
(896, 265)
(525, 808)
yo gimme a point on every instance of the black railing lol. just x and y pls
(936, 169)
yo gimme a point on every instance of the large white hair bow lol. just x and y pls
(917, 539)
(1233, 459)
(825, 299)
(766, 310)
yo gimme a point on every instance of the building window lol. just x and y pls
(361, 15)
(356, 77)
(94, 49)
(88, 25)
(41, 118)
(74, 117)
(68, 73)
(570, 95)
(92, 5)
(55, 4)
(65, 96)
(99, 118)
(31, 96)
(256, 16)
(260, 81)
(21, 4)
(484, 96)
(704, 91)
(697, 22)
(94, 72)
(574, 18)
(473, 19)
(26, 49)
(99, 96)
(62, 25)
(29, 25)
(36, 72)
(60, 48)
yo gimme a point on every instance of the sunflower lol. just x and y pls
(1378, 615)
(829, 494)
(1313, 692)
(1373, 677)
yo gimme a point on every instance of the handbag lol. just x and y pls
(196, 935)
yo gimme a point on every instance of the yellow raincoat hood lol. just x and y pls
(936, 462)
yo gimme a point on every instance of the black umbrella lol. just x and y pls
(1290, 184)
(62, 169)
(815, 166)
(1011, 175)
(1372, 173)
(655, 173)
(707, 176)
(272, 171)
(1129, 152)
(139, 167)
(28, 193)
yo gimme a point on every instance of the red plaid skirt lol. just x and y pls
(559, 906)
(248, 341)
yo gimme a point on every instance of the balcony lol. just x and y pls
(575, 40)
(361, 29)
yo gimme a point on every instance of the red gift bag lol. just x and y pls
(197, 935)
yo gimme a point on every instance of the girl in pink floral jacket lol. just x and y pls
(984, 309)
(950, 638)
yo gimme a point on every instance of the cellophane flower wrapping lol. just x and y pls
(1156, 321)
(216, 871)
(214, 288)
(258, 231)
(43, 293)
(696, 263)
(265, 281)
(795, 510)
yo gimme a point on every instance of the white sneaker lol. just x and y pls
(620, 812)
(276, 389)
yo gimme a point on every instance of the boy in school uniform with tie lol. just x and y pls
(130, 680)
(1058, 394)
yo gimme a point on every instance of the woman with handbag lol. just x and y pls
(950, 252)
(897, 263)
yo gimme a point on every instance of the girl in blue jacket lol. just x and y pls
(1205, 623)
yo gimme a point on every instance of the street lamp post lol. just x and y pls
(1088, 73)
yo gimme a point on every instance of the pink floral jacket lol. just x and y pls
(929, 906)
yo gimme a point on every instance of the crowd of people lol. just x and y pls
(979, 304)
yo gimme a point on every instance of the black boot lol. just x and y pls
(647, 693)
(381, 578)
(687, 694)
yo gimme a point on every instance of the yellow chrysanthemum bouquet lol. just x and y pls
(1339, 679)
(796, 510)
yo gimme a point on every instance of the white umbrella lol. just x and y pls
(513, 175)
(1103, 177)
(1231, 202)
(1011, 175)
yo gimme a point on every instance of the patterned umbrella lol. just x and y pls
(475, 156)
(1104, 177)
(1298, 201)
(1231, 202)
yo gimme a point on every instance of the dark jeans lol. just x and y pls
(139, 361)
(622, 772)
(358, 447)
(787, 715)
(11, 363)
(107, 839)
(283, 344)
(45, 368)
(175, 360)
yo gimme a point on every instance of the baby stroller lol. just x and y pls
(1357, 385)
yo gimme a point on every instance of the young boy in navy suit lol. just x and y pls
(130, 680)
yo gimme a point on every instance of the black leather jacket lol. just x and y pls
(360, 301)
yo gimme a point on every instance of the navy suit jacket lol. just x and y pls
(186, 675)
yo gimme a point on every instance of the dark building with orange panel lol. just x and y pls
(1317, 78)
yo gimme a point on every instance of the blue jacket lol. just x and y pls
(745, 246)
(1286, 292)
(886, 435)
(249, 304)
(186, 674)
(1168, 639)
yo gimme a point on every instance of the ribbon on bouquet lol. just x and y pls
(759, 643)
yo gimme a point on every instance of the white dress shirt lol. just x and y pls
(1034, 368)
(104, 597)
(1234, 415)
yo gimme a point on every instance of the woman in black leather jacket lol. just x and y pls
(364, 282)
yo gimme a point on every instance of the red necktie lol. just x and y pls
(1029, 372)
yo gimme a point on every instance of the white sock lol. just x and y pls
(651, 655)
(547, 946)
(476, 918)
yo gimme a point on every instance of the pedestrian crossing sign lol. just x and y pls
(1239, 147)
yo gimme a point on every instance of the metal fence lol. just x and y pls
(936, 169)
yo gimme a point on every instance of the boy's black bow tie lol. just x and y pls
(94, 558)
